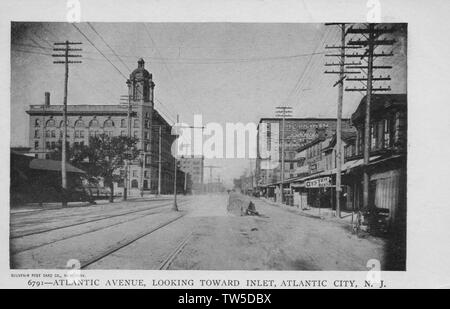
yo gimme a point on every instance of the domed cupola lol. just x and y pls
(140, 73)
(141, 84)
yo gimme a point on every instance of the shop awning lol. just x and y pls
(355, 163)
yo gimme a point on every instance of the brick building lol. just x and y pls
(84, 121)
(194, 166)
(298, 133)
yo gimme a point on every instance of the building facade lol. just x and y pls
(194, 166)
(153, 170)
(388, 151)
(298, 132)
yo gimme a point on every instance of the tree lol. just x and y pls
(102, 157)
(106, 155)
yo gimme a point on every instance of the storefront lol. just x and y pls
(387, 186)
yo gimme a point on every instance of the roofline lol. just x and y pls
(303, 119)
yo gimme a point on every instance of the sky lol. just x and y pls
(227, 72)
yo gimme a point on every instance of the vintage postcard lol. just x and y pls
(200, 151)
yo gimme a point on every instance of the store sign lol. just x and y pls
(319, 183)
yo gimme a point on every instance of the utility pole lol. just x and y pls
(283, 112)
(175, 165)
(159, 161)
(340, 82)
(129, 115)
(66, 62)
(370, 42)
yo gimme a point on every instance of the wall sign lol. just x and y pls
(319, 183)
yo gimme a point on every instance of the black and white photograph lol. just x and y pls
(211, 146)
(224, 145)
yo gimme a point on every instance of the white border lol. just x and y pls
(429, 126)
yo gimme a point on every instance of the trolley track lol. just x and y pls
(172, 255)
(55, 209)
(92, 230)
(126, 243)
(87, 221)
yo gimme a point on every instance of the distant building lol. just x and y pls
(194, 166)
(84, 121)
(298, 133)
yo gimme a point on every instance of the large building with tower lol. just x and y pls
(153, 132)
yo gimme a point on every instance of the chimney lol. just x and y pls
(47, 98)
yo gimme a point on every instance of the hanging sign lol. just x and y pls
(319, 183)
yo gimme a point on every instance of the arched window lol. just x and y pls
(108, 123)
(79, 123)
(51, 123)
(93, 123)
(134, 183)
(61, 124)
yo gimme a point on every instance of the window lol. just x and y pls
(77, 134)
(82, 133)
(94, 123)
(36, 144)
(61, 124)
(51, 123)
(108, 123)
(79, 123)
(373, 137)
(53, 133)
(360, 141)
(36, 133)
(37, 123)
(135, 173)
(147, 124)
(386, 133)
(136, 134)
(146, 134)
(146, 174)
(134, 183)
(53, 145)
(123, 123)
(47, 145)
(123, 133)
(47, 133)
(136, 123)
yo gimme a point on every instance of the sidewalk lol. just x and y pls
(31, 207)
(318, 213)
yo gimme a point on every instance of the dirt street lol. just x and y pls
(203, 235)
